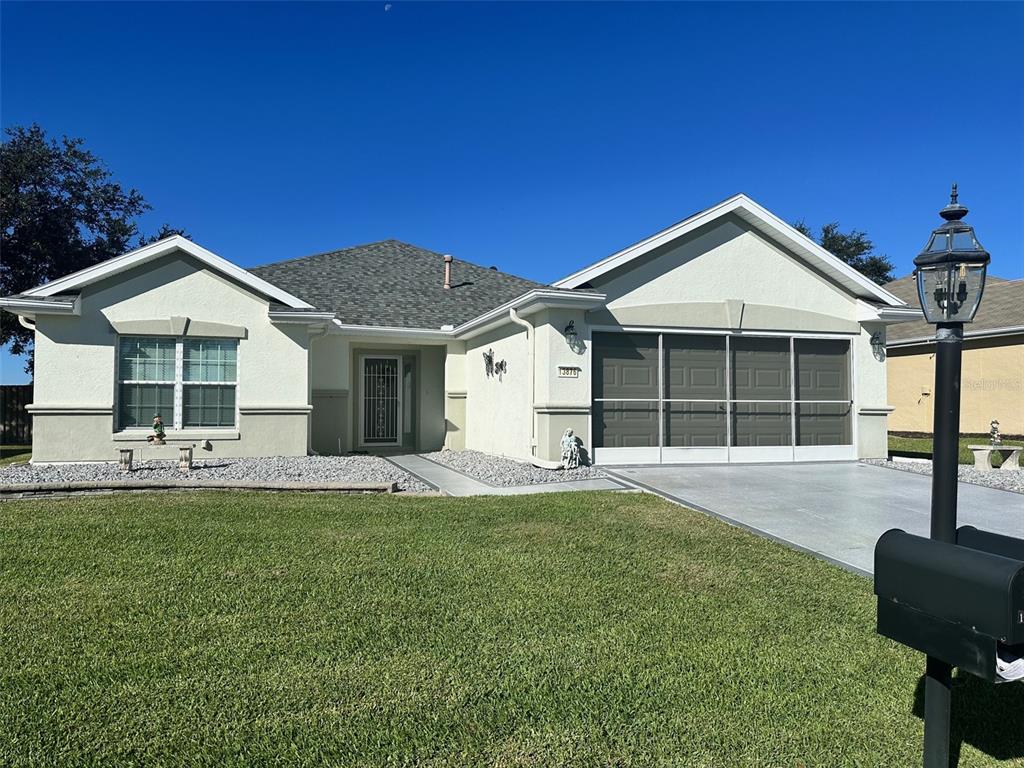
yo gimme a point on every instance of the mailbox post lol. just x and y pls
(950, 280)
(958, 596)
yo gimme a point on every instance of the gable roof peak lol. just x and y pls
(160, 249)
(759, 218)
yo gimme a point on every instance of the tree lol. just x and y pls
(166, 230)
(854, 248)
(60, 211)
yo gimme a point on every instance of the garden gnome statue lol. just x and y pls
(993, 433)
(157, 438)
(570, 450)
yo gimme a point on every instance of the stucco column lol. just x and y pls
(455, 395)
(563, 393)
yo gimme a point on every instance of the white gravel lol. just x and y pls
(506, 472)
(1008, 480)
(341, 469)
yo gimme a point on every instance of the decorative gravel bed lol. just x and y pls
(1005, 481)
(497, 470)
(351, 469)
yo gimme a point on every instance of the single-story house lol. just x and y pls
(992, 369)
(728, 336)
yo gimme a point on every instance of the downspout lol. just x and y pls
(26, 323)
(530, 343)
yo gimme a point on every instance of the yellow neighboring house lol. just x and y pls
(992, 379)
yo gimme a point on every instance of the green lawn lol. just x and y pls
(924, 445)
(14, 454)
(559, 629)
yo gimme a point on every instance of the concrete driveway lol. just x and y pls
(836, 511)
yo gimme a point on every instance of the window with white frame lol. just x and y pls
(190, 382)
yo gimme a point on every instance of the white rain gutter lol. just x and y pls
(29, 306)
(530, 344)
(304, 318)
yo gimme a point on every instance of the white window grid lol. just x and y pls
(178, 383)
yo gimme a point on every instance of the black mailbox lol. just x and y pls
(958, 603)
(997, 544)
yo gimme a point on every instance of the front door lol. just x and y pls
(380, 413)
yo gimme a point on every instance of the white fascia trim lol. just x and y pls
(27, 306)
(784, 231)
(987, 333)
(157, 250)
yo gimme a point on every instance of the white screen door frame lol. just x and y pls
(380, 392)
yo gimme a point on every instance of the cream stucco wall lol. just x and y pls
(498, 414)
(992, 386)
(75, 389)
(727, 260)
(331, 420)
(870, 405)
(455, 395)
(562, 401)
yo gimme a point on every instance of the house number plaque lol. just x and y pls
(568, 372)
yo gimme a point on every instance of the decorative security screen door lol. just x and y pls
(381, 415)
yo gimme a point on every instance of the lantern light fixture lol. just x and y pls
(951, 269)
(570, 333)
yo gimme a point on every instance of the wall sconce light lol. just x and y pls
(570, 333)
(877, 345)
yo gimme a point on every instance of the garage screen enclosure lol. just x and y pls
(666, 397)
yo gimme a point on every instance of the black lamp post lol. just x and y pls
(950, 280)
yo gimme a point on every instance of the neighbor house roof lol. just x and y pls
(1001, 312)
(760, 219)
(394, 284)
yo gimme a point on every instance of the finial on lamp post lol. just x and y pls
(954, 211)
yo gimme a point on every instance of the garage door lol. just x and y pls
(661, 397)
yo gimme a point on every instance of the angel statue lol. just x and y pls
(570, 450)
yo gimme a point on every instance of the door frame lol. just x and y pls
(361, 401)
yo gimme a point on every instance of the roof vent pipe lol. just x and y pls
(447, 271)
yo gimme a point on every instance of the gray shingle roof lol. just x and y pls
(394, 284)
(1002, 306)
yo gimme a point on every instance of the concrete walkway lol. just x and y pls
(835, 511)
(453, 483)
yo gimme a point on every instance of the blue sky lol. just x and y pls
(535, 137)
